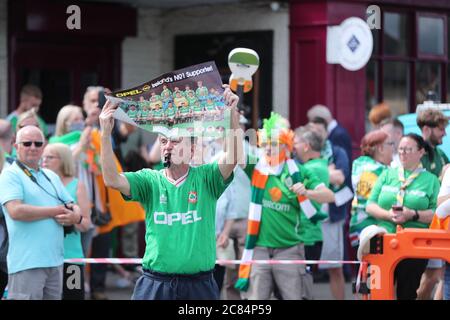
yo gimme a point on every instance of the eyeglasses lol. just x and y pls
(27, 144)
(272, 144)
(406, 150)
(49, 158)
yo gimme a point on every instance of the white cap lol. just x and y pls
(243, 120)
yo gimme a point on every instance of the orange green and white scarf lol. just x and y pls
(260, 177)
(406, 182)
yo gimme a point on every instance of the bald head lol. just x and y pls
(29, 131)
(320, 111)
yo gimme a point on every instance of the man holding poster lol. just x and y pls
(180, 204)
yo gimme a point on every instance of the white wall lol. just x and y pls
(141, 55)
(152, 52)
(233, 18)
(3, 59)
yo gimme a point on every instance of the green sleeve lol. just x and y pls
(13, 122)
(250, 166)
(213, 179)
(375, 193)
(446, 160)
(141, 183)
(43, 126)
(434, 193)
(310, 179)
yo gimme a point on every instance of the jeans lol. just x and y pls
(158, 286)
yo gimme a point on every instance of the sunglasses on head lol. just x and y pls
(37, 144)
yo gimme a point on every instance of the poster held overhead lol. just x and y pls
(184, 102)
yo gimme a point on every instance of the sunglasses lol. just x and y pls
(37, 144)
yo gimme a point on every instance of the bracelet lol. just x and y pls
(81, 219)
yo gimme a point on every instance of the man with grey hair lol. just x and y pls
(307, 147)
(337, 134)
(36, 207)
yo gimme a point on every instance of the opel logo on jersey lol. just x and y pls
(176, 217)
(192, 197)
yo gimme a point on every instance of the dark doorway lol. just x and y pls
(193, 49)
(62, 62)
(62, 71)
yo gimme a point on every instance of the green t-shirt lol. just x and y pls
(280, 218)
(184, 110)
(440, 159)
(191, 100)
(158, 113)
(170, 112)
(311, 233)
(144, 113)
(180, 220)
(421, 194)
(201, 92)
(132, 113)
(197, 108)
(365, 172)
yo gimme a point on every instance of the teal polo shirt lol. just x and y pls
(39, 243)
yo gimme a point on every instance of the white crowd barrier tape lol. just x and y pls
(221, 262)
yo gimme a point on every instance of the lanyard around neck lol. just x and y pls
(33, 178)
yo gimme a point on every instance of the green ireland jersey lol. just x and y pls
(197, 108)
(180, 102)
(281, 214)
(365, 172)
(158, 113)
(440, 159)
(132, 114)
(311, 233)
(421, 194)
(191, 100)
(179, 219)
(201, 92)
(184, 110)
(175, 93)
(210, 106)
(170, 112)
(188, 92)
(166, 93)
(144, 113)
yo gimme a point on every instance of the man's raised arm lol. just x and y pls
(111, 175)
(233, 141)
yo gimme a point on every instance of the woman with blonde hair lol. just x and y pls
(70, 129)
(58, 158)
(28, 118)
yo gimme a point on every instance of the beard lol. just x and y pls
(434, 140)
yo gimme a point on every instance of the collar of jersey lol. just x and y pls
(179, 181)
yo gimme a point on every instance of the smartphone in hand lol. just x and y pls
(101, 99)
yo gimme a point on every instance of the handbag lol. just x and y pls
(98, 217)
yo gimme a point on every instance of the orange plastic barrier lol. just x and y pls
(389, 249)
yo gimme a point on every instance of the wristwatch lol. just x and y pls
(416, 215)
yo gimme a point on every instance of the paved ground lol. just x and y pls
(115, 292)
